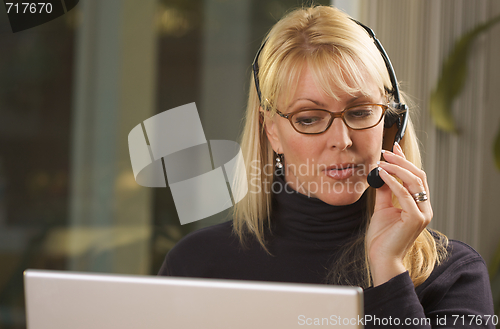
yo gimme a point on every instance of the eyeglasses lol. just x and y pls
(359, 117)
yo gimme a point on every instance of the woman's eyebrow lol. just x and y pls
(362, 97)
(306, 99)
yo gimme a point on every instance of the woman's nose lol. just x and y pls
(339, 136)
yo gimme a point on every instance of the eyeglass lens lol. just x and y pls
(359, 117)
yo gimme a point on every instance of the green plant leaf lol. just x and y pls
(452, 79)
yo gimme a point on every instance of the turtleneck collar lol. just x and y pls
(300, 217)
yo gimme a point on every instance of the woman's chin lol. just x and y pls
(340, 199)
(332, 191)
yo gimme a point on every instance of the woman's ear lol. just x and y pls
(271, 130)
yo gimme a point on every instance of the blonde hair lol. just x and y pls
(341, 56)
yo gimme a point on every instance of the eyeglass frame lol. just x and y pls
(333, 115)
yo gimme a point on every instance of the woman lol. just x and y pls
(322, 110)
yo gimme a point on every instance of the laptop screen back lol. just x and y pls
(61, 300)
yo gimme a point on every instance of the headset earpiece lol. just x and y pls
(390, 118)
(402, 122)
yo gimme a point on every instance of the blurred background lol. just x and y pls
(72, 89)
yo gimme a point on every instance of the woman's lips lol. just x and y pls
(340, 172)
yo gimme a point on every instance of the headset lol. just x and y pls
(390, 119)
(400, 118)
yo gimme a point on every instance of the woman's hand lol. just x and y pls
(392, 231)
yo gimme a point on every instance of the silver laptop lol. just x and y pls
(63, 300)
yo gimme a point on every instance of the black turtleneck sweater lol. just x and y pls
(307, 236)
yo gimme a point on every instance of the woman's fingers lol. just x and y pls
(397, 157)
(411, 182)
(392, 230)
(413, 178)
(414, 181)
(398, 150)
(404, 196)
(384, 198)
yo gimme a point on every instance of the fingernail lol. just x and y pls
(383, 151)
(378, 162)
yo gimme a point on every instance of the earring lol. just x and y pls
(279, 161)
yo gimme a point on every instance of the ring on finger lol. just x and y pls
(420, 196)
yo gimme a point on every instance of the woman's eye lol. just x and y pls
(360, 113)
(307, 121)
(310, 117)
